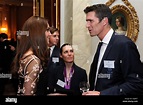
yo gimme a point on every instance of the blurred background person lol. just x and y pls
(6, 57)
(54, 48)
(6, 53)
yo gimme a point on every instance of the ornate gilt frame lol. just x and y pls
(131, 17)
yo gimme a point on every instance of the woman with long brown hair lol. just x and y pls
(31, 55)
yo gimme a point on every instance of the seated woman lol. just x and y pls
(65, 79)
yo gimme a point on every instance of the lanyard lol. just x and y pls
(68, 80)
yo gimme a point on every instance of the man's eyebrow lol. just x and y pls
(89, 20)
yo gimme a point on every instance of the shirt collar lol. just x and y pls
(107, 37)
(52, 47)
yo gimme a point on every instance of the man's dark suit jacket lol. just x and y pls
(6, 56)
(43, 78)
(55, 59)
(126, 77)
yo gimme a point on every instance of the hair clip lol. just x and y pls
(23, 33)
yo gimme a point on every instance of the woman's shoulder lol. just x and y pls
(29, 60)
(78, 67)
(120, 32)
(30, 57)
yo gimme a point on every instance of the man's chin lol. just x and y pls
(92, 35)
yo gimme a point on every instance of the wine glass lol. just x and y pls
(84, 86)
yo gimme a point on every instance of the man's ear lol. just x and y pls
(105, 20)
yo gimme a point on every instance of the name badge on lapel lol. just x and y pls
(109, 64)
(60, 83)
(55, 59)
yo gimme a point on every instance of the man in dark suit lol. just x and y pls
(5, 53)
(6, 57)
(117, 69)
(54, 60)
(54, 48)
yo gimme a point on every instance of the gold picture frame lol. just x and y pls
(36, 8)
(0, 19)
(132, 21)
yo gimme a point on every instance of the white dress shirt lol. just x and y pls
(105, 41)
(51, 50)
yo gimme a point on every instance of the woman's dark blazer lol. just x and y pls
(49, 78)
(78, 76)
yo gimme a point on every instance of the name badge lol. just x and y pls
(60, 83)
(55, 59)
(109, 64)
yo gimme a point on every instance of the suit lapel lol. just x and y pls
(56, 52)
(107, 51)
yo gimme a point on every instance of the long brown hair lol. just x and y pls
(36, 26)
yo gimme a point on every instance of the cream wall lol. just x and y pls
(73, 29)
